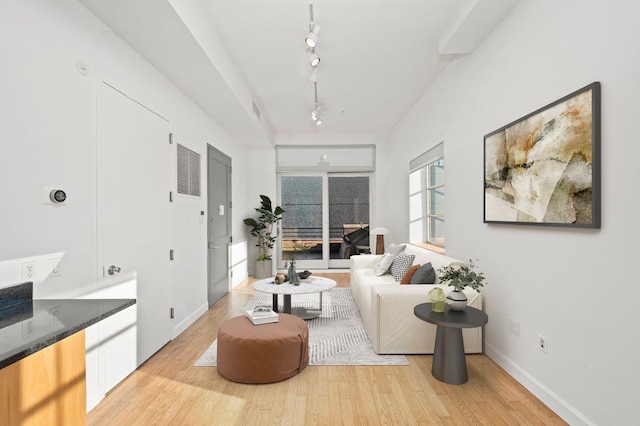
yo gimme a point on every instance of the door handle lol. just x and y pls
(113, 270)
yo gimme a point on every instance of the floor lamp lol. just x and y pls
(380, 233)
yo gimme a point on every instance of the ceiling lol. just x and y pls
(377, 56)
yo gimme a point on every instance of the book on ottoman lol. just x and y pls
(261, 316)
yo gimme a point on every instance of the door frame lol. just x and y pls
(211, 150)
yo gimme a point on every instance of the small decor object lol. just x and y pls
(293, 276)
(280, 279)
(544, 168)
(380, 233)
(262, 315)
(298, 249)
(437, 300)
(262, 229)
(304, 274)
(457, 300)
(459, 275)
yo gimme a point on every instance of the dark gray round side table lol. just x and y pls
(449, 364)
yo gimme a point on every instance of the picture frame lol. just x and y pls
(544, 168)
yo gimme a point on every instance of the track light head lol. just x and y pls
(313, 77)
(314, 59)
(318, 121)
(315, 113)
(311, 39)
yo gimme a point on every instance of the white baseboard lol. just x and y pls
(561, 407)
(184, 324)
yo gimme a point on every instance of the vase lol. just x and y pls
(263, 269)
(293, 275)
(437, 300)
(457, 300)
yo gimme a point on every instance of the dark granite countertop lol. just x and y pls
(31, 326)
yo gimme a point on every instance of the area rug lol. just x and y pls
(337, 337)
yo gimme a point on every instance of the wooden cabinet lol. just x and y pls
(47, 387)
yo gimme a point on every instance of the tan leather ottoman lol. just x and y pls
(263, 353)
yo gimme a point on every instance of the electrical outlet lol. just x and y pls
(543, 344)
(28, 271)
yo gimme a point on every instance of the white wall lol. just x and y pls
(49, 138)
(573, 286)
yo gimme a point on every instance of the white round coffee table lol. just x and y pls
(308, 285)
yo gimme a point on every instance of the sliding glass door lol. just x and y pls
(302, 227)
(326, 218)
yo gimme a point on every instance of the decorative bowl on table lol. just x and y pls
(304, 274)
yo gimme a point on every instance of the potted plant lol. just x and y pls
(459, 275)
(262, 229)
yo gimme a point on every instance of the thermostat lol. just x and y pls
(57, 195)
(53, 195)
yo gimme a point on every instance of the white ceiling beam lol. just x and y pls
(158, 32)
(475, 21)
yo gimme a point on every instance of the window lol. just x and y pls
(326, 194)
(188, 171)
(427, 197)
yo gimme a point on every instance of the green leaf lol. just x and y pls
(250, 222)
(266, 202)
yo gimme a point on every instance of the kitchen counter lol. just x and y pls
(31, 326)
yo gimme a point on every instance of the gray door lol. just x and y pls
(219, 222)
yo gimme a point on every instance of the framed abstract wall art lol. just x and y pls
(544, 169)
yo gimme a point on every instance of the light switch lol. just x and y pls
(221, 210)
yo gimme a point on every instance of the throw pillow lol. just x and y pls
(407, 277)
(424, 275)
(383, 264)
(400, 265)
(396, 249)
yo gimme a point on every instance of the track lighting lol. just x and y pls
(313, 77)
(314, 59)
(312, 38)
(315, 113)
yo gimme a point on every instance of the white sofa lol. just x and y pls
(386, 306)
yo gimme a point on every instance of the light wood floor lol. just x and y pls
(168, 390)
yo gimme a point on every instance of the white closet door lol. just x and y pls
(133, 181)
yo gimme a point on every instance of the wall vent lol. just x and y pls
(256, 111)
(188, 171)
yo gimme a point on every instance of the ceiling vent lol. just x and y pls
(256, 111)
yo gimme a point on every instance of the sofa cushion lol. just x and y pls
(400, 265)
(407, 277)
(424, 275)
(396, 249)
(382, 267)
